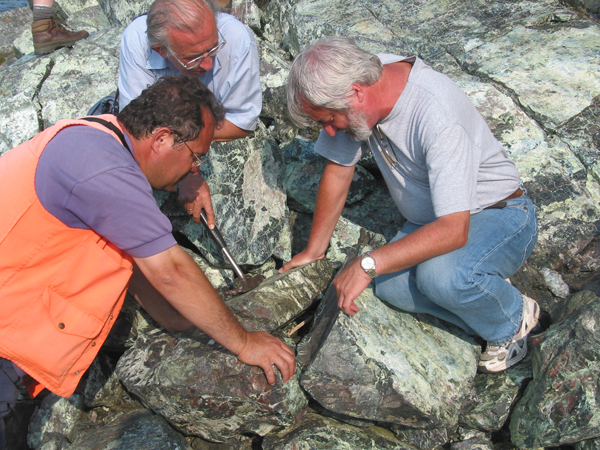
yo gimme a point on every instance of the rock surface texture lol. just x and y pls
(382, 379)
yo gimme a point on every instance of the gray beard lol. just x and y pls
(357, 125)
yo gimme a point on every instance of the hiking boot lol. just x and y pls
(498, 358)
(51, 34)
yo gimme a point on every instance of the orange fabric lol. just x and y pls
(60, 288)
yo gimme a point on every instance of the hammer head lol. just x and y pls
(244, 284)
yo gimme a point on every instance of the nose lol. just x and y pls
(330, 129)
(206, 64)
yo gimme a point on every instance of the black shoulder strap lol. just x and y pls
(112, 128)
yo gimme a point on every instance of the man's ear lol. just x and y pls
(161, 139)
(160, 50)
(358, 92)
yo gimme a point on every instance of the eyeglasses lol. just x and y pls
(190, 65)
(198, 159)
(388, 156)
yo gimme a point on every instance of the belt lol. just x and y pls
(502, 203)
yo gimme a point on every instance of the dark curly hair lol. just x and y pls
(173, 102)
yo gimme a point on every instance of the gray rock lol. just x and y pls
(122, 12)
(12, 25)
(71, 88)
(246, 183)
(555, 283)
(136, 430)
(572, 304)
(559, 405)
(425, 439)
(203, 390)
(56, 415)
(389, 366)
(303, 172)
(282, 297)
(495, 394)
(318, 432)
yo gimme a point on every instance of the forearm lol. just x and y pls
(442, 236)
(181, 282)
(155, 304)
(331, 198)
(228, 132)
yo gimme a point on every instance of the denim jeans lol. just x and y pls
(467, 286)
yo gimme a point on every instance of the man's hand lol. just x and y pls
(194, 193)
(265, 351)
(304, 257)
(349, 284)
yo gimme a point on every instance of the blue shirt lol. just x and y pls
(87, 179)
(234, 78)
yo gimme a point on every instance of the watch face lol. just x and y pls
(367, 263)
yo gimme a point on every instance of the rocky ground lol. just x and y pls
(381, 379)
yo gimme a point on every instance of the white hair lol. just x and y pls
(322, 75)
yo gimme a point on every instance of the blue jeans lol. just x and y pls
(467, 287)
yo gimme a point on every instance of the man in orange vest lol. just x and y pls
(80, 227)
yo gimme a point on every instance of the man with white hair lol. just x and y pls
(188, 37)
(469, 227)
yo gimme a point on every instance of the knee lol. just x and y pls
(441, 280)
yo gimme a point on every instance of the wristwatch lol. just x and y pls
(368, 264)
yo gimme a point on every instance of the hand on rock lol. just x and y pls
(300, 259)
(349, 284)
(263, 350)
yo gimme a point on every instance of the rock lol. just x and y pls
(122, 13)
(496, 394)
(203, 390)
(350, 240)
(280, 298)
(324, 433)
(303, 170)
(390, 366)
(572, 304)
(136, 430)
(424, 439)
(56, 415)
(559, 404)
(246, 183)
(555, 283)
(14, 23)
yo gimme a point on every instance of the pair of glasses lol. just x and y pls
(198, 159)
(388, 155)
(190, 65)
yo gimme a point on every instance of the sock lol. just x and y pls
(41, 12)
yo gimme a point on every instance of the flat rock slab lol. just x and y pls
(559, 407)
(203, 390)
(390, 366)
(280, 298)
(318, 432)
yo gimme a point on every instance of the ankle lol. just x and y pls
(41, 12)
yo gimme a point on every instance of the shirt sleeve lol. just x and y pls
(341, 148)
(236, 75)
(134, 75)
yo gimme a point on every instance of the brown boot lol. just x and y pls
(50, 34)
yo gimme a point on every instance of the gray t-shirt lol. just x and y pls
(87, 179)
(444, 158)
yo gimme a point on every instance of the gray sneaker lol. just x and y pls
(498, 358)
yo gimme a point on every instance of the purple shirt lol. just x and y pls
(87, 179)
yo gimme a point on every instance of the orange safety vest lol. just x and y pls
(61, 288)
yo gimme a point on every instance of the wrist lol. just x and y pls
(368, 264)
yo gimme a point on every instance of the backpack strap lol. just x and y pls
(112, 128)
